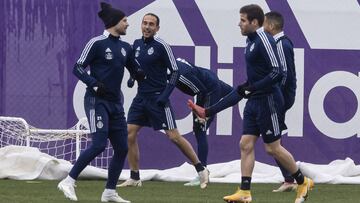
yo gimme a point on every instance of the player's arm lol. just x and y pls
(86, 57)
(199, 85)
(286, 54)
(170, 62)
(268, 50)
(190, 80)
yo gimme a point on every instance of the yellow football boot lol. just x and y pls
(240, 196)
(302, 191)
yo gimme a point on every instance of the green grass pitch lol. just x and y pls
(12, 191)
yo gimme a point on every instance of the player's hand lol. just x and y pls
(140, 75)
(245, 90)
(131, 82)
(198, 110)
(100, 89)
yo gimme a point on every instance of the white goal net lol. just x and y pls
(64, 144)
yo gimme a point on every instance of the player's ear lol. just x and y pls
(256, 22)
(272, 26)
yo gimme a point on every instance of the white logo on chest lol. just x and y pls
(150, 51)
(137, 52)
(108, 54)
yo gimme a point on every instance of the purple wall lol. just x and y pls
(41, 40)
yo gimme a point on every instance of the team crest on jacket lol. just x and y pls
(123, 52)
(137, 52)
(108, 54)
(150, 51)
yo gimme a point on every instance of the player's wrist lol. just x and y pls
(207, 112)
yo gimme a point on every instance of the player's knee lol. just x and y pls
(132, 139)
(132, 136)
(245, 147)
(173, 134)
(132, 131)
(98, 147)
(99, 142)
(272, 150)
(175, 138)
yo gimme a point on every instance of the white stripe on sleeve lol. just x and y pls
(282, 59)
(189, 84)
(169, 53)
(87, 48)
(269, 49)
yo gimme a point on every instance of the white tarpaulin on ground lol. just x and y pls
(27, 163)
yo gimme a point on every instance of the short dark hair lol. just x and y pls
(154, 15)
(253, 11)
(276, 19)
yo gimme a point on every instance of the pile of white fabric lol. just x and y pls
(27, 163)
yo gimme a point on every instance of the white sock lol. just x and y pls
(109, 191)
(70, 180)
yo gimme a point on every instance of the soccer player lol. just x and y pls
(264, 110)
(207, 87)
(151, 106)
(274, 24)
(107, 55)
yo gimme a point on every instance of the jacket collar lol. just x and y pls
(147, 40)
(109, 35)
(279, 35)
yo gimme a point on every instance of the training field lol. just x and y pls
(168, 192)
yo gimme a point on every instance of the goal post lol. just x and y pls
(64, 144)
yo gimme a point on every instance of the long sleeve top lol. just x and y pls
(107, 56)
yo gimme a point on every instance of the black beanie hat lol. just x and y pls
(109, 15)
